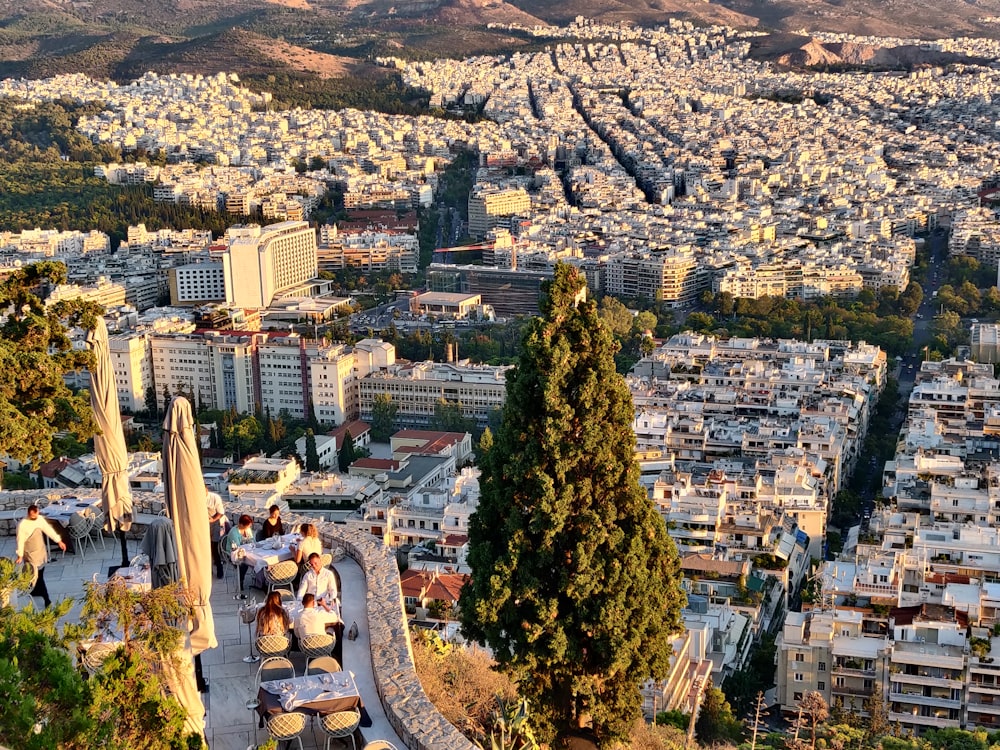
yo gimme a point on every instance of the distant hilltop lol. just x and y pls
(319, 39)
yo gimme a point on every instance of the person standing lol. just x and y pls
(31, 548)
(216, 527)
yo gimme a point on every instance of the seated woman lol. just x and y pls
(272, 618)
(239, 535)
(272, 525)
(310, 543)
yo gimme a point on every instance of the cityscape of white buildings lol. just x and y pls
(664, 163)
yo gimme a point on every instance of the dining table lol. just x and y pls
(63, 509)
(316, 695)
(136, 577)
(259, 554)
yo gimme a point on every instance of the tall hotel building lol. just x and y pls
(258, 264)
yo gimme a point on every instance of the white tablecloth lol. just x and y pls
(137, 579)
(261, 554)
(298, 691)
(62, 510)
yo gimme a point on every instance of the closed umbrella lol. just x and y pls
(160, 546)
(184, 493)
(109, 443)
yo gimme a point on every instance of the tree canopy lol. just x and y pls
(35, 353)
(575, 583)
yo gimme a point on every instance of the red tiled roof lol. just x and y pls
(385, 464)
(455, 540)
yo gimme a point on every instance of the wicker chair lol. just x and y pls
(323, 665)
(287, 727)
(315, 646)
(275, 668)
(95, 656)
(379, 745)
(280, 574)
(341, 725)
(273, 645)
(326, 559)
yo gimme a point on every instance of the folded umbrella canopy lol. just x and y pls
(160, 546)
(109, 443)
(184, 493)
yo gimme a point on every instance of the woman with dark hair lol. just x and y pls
(272, 525)
(272, 618)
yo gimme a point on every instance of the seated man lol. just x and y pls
(320, 582)
(309, 621)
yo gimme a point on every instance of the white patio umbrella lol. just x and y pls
(184, 493)
(109, 444)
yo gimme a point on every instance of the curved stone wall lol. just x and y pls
(407, 708)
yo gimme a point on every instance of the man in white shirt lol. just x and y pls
(216, 527)
(320, 582)
(310, 621)
(31, 547)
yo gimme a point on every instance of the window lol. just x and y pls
(799, 677)
(796, 696)
(800, 657)
(821, 685)
(821, 666)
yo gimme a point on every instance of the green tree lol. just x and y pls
(716, 722)
(616, 317)
(383, 416)
(448, 417)
(347, 454)
(48, 704)
(35, 353)
(312, 457)
(152, 404)
(575, 583)
(166, 398)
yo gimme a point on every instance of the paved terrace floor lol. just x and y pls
(229, 725)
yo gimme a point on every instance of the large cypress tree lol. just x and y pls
(575, 583)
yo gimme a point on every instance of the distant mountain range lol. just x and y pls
(122, 38)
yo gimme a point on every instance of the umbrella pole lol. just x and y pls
(117, 531)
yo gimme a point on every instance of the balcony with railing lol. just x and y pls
(939, 722)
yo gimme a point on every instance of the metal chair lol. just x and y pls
(316, 646)
(95, 656)
(280, 574)
(225, 554)
(97, 527)
(340, 725)
(79, 530)
(286, 596)
(273, 645)
(275, 668)
(379, 745)
(287, 727)
(326, 559)
(323, 665)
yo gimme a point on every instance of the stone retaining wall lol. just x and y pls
(407, 708)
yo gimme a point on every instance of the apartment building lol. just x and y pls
(488, 206)
(416, 388)
(673, 277)
(132, 362)
(264, 261)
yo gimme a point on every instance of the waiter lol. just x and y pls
(31, 548)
